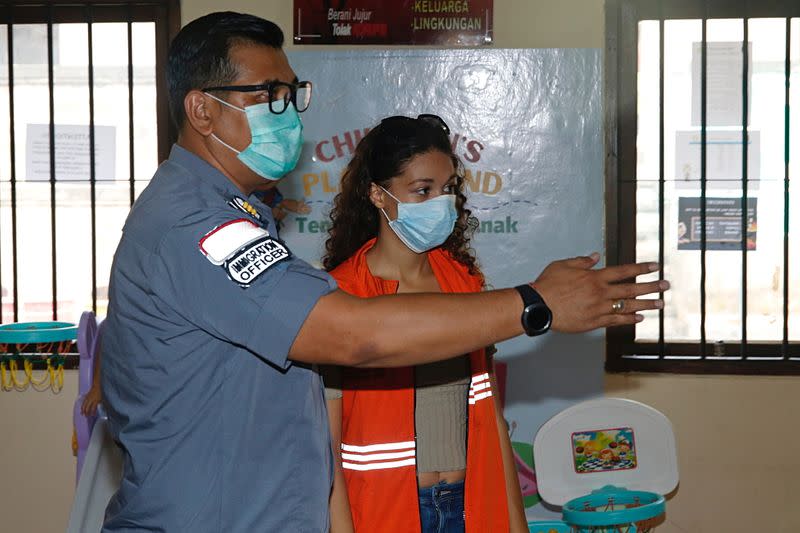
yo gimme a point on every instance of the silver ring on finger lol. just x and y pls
(618, 306)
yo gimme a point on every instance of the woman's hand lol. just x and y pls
(91, 401)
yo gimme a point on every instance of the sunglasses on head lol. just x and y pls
(433, 120)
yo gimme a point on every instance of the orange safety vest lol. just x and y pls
(378, 434)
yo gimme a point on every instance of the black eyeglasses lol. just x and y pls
(278, 92)
(434, 120)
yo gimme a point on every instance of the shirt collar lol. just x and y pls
(199, 167)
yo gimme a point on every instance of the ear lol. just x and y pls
(377, 196)
(198, 109)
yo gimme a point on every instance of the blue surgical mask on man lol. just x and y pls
(276, 140)
(424, 225)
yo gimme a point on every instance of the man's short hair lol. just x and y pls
(199, 54)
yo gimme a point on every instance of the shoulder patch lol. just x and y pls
(255, 259)
(244, 206)
(224, 240)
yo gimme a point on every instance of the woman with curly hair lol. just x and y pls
(420, 448)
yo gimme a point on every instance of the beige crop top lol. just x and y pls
(440, 414)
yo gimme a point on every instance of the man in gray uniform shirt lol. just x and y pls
(213, 324)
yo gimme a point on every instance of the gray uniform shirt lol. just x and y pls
(220, 431)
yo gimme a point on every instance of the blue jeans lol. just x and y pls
(441, 508)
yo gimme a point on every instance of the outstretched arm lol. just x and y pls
(411, 329)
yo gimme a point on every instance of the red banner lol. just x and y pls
(437, 22)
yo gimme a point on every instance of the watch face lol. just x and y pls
(538, 317)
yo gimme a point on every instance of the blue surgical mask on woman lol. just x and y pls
(424, 225)
(276, 140)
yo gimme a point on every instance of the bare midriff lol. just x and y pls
(429, 479)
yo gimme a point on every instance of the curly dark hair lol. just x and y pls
(380, 156)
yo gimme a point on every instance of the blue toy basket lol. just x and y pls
(614, 510)
(550, 526)
(23, 344)
(36, 333)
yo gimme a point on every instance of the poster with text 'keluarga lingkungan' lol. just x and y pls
(437, 22)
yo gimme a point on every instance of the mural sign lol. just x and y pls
(526, 125)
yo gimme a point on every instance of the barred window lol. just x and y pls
(83, 127)
(703, 155)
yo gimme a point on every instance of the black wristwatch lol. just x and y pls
(536, 316)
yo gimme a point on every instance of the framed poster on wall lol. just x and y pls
(430, 22)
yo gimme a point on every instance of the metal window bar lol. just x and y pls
(13, 161)
(703, 183)
(92, 155)
(661, 177)
(132, 168)
(745, 152)
(51, 100)
(787, 76)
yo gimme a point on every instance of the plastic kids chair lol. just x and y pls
(88, 340)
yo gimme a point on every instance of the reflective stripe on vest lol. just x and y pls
(379, 456)
(480, 388)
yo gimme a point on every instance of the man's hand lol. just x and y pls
(296, 206)
(583, 299)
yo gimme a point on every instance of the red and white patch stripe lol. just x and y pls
(480, 388)
(379, 456)
(226, 239)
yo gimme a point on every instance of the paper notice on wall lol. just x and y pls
(723, 159)
(724, 72)
(72, 151)
(723, 218)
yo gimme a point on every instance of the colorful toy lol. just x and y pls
(523, 460)
(88, 339)
(608, 464)
(24, 343)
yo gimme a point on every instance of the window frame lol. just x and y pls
(623, 352)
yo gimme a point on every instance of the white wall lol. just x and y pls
(38, 469)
